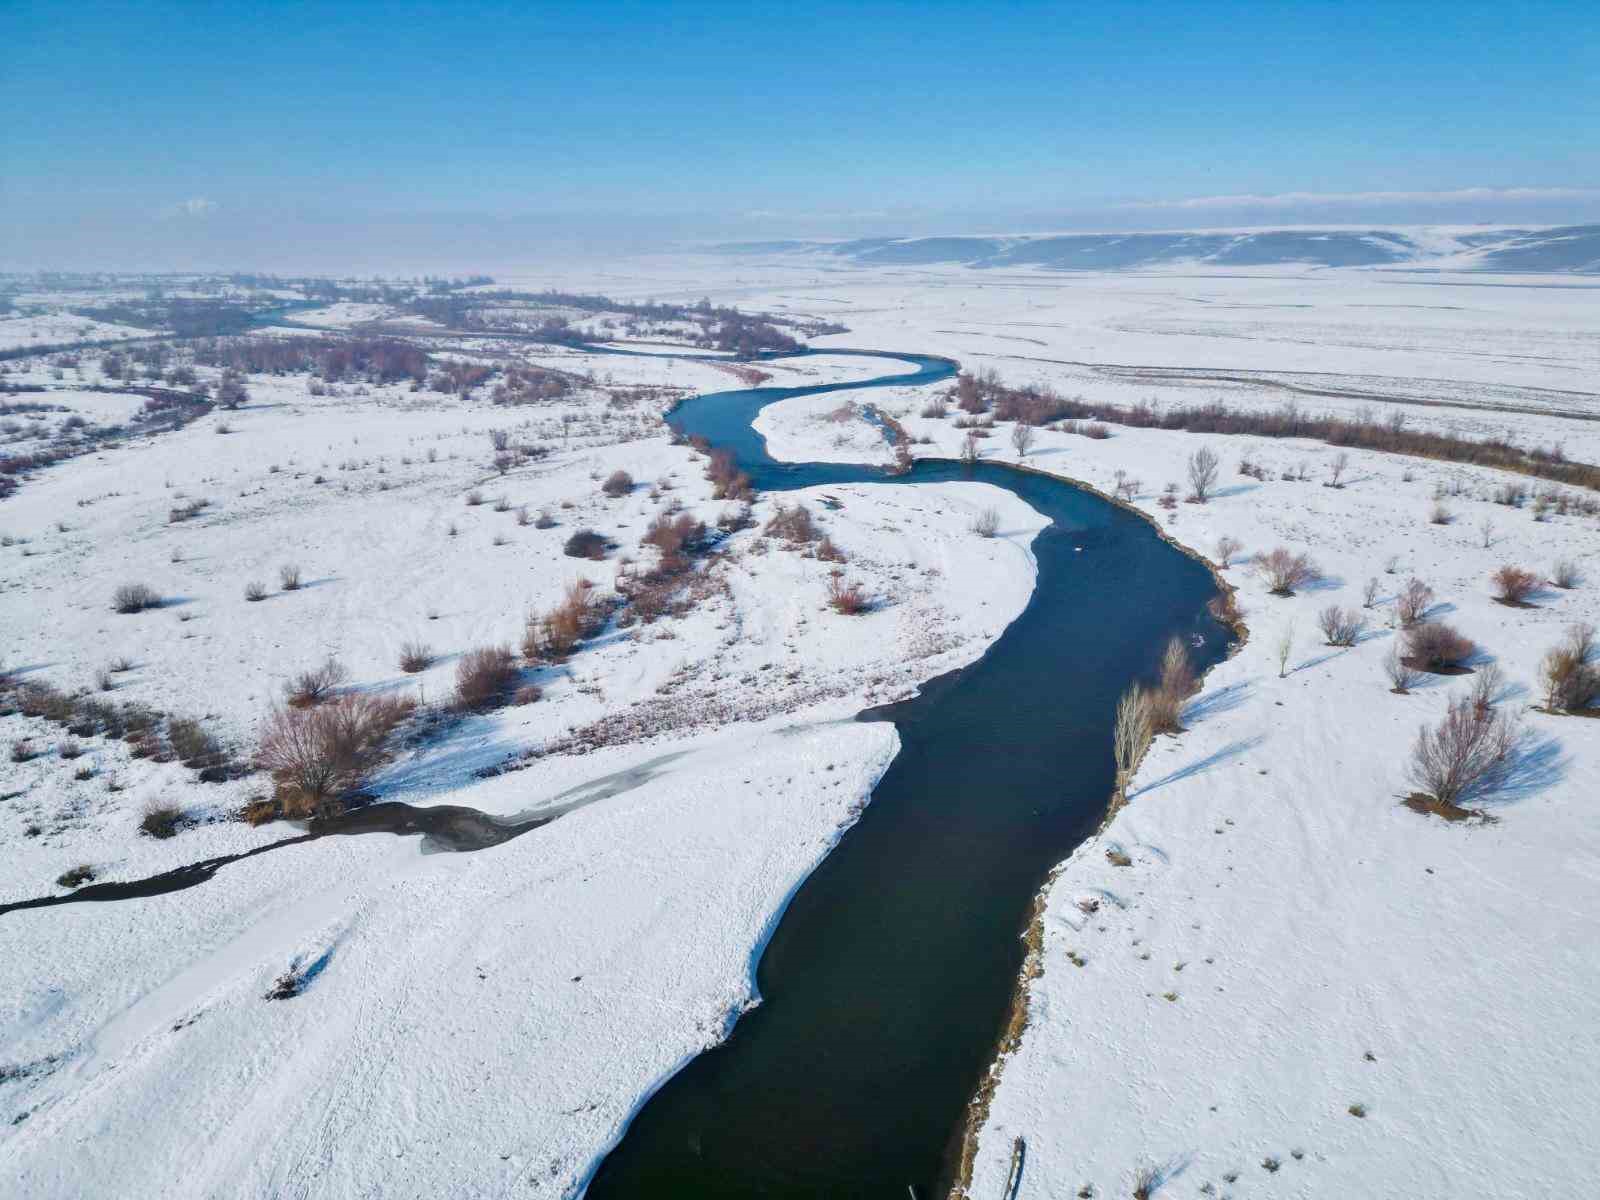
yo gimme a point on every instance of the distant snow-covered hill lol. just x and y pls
(1573, 249)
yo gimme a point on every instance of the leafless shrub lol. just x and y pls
(317, 684)
(1283, 648)
(22, 751)
(1402, 675)
(1285, 571)
(1571, 682)
(523, 518)
(1224, 608)
(553, 636)
(987, 523)
(1202, 468)
(1435, 646)
(1487, 685)
(500, 440)
(1461, 754)
(544, 520)
(728, 482)
(1125, 487)
(1337, 468)
(1513, 585)
(1021, 438)
(103, 680)
(1565, 574)
(255, 590)
(828, 552)
(474, 498)
(501, 504)
(484, 676)
(134, 597)
(969, 450)
(793, 524)
(1369, 593)
(70, 748)
(317, 754)
(415, 656)
(846, 598)
(1440, 515)
(1413, 602)
(1227, 547)
(1097, 431)
(936, 409)
(1341, 626)
(289, 577)
(185, 512)
(1165, 701)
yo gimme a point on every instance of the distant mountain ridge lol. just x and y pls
(1572, 249)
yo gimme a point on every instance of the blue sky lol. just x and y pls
(221, 124)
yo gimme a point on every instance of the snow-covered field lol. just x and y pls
(1288, 946)
(477, 1021)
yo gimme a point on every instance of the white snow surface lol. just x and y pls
(476, 1022)
(1315, 920)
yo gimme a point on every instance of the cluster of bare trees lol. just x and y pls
(1143, 712)
(1040, 405)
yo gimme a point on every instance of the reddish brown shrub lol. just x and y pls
(415, 656)
(1284, 571)
(316, 754)
(1462, 753)
(316, 685)
(484, 676)
(846, 598)
(793, 524)
(1513, 585)
(1341, 626)
(1413, 602)
(1435, 646)
(618, 483)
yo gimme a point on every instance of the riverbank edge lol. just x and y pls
(1017, 1012)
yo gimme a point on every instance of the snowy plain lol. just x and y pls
(1288, 944)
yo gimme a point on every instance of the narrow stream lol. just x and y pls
(887, 981)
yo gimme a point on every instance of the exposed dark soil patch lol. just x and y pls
(1418, 802)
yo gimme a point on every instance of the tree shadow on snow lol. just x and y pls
(1231, 751)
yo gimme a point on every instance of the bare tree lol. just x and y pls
(1203, 465)
(1284, 572)
(1284, 648)
(1227, 547)
(1461, 754)
(1402, 675)
(1513, 585)
(1021, 438)
(969, 451)
(1413, 602)
(1337, 468)
(1369, 594)
(1571, 683)
(1177, 684)
(1132, 735)
(1341, 626)
(1486, 531)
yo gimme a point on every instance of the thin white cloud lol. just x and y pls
(195, 206)
(1283, 200)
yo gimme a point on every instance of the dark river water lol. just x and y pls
(888, 979)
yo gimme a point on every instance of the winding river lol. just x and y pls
(888, 979)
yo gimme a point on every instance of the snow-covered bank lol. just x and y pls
(1298, 986)
(478, 1021)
